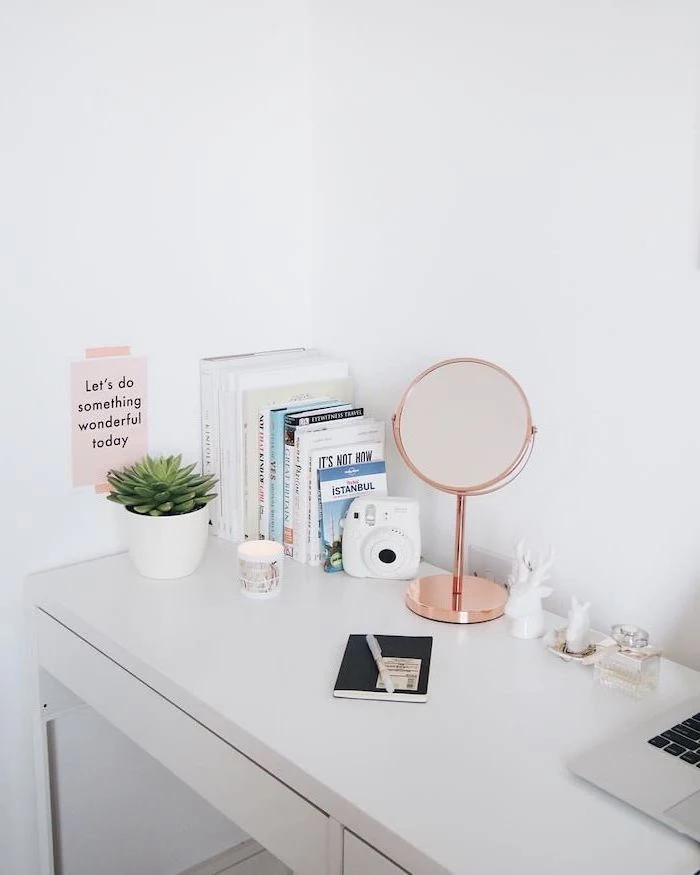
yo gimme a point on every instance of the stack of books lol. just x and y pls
(270, 422)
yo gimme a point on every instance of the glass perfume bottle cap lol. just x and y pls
(630, 636)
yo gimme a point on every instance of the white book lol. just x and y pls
(231, 371)
(264, 474)
(336, 447)
(211, 371)
(322, 376)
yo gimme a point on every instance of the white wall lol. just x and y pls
(154, 179)
(517, 181)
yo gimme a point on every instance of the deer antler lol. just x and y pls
(540, 571)
(521, 568)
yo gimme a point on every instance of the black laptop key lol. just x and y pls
(674, 749)
(693, 723)
(658, 741)
(685, 743)
(690, 757)
(687, 732)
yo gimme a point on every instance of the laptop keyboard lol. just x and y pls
(681, 740)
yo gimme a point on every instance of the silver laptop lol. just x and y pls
(655, 767)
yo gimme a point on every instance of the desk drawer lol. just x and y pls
(282, 821)
(359, 858)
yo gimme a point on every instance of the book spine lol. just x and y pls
(233, 460)
(211, 462)
(229, 528)
(308, 481)
(264, 473)
(251, 469)
(238, 437)
(299, 528)
(313, 525)
(331, 416)
(207, 417)
(247, 497)
(276, 503)
(288, 522)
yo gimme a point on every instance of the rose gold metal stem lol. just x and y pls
(458, 571)
(452, 598)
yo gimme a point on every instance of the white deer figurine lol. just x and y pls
(524, 606)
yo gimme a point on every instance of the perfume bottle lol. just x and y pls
(629, 664)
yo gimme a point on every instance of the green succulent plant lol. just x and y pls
(161, 487)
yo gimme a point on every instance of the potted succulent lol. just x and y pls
(167, 517)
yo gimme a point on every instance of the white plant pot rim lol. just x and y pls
(166, 516)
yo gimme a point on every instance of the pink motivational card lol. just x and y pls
(108, 414)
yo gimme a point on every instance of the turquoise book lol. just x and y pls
(337, 488)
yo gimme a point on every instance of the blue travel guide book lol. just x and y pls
(337, 488)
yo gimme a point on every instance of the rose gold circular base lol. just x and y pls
(480, 600)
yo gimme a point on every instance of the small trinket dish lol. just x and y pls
(557, 645)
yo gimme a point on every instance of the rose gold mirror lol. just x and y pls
(464, 426)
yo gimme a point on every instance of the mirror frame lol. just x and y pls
(488, 485)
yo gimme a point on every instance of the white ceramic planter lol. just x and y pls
(165, 547)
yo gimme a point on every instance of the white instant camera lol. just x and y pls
(381, 538)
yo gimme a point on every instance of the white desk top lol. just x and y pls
(473, 781)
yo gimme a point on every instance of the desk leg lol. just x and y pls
(43, 788)
(334, 865)
(40, 739)
(49, 701)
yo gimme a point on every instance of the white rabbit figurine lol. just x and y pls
(524, 605)
(578, 631)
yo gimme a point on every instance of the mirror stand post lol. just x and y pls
(458, 571)
(456, 598)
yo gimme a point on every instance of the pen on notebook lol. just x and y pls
(376, 652)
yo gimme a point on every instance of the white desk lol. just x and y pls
(472, 782)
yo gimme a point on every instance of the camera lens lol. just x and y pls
(387, 556)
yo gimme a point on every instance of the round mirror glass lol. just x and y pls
(463, 425)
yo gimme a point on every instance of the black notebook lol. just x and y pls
(407, 658)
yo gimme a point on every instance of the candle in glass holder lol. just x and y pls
(260, 565)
